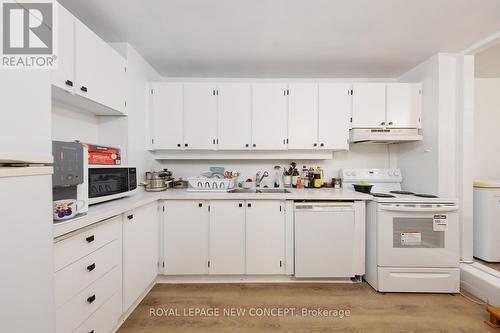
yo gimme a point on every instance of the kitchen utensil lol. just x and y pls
(157, 181)
(287, 181)
(363, 188)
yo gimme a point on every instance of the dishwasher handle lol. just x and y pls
(324, 206)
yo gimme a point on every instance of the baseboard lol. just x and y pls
(233, 279)
(133, 307)
(481, 281)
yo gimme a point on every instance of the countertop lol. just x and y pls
(109, 209)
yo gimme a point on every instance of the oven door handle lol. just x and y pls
(419, 209)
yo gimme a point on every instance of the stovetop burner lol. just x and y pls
(403, 192)
(426, 195)
(383, 195)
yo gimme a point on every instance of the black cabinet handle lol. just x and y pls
(185, 145)
(247, 145)
(213, 141)
(249, 205)
(90, 268)
(130, 217)
(254, 145)
(240, 205)
(83, 88)
(90, 239)
(315, 144)
(91, 299)
(178, 145)
(200, 205)
(91, 331)
(390, 123)
(382, 123)
(322, 145)
(69, 83)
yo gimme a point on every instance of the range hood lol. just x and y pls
(384, 135)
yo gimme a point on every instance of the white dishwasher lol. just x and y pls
(324, 239)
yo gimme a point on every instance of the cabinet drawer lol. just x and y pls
(105, 318)
(431, 280)
(80, 307)
(72, 279)
(71, 249)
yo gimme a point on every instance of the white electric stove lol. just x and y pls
(412, 239)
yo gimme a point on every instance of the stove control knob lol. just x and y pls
(354, 173)
(389, 173)
(348, 173)
(396, 172)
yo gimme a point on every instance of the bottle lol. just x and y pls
(299, 182)
(305, 177)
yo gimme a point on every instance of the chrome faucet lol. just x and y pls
(259, 178)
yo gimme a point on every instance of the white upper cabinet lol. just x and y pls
(200, 116)
(64, 75)
(99, 70)
(368, 105)
(227, 237)
(404, 105)
(167, 115)
(186, 237)
(235, 116)
(303, 116)
(265, 237)
(335, 103)
(269, 116)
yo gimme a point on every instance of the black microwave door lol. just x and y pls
(107, 181)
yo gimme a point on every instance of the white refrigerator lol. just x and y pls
(26, 258)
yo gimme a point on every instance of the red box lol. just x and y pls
(103, 155)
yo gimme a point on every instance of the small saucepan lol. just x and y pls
(363, 188)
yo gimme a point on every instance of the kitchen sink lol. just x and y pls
(261, 190)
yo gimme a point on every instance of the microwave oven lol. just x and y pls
(110, 182)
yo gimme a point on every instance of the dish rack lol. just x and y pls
(203, 184)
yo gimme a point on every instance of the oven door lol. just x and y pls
(104, 182)
(417, 235)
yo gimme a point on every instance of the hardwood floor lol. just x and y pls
(369, 311)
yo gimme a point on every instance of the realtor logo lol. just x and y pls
(27, 34)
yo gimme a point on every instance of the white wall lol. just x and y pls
(359, 156)
(430, 164)
(487, 129)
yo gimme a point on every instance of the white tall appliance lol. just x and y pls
(27, 285)
(412, 239)
(487, 220)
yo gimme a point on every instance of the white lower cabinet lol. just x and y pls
(185, 237)
(140, 251)
(227, 237)
(104, 319)
(224, 237)
(265, 237)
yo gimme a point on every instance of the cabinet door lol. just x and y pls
(99, 69)
(167, 115)
(269, 116)
(368, 105)
(265, 237)
(63, 75)
(140, 251)
(335, 104)
(186, 237)
(303, 116)
(235, 116)
(227, 237)
(404, 105)
(200, 116)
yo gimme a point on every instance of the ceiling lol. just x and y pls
(487, 62)
(289, 38)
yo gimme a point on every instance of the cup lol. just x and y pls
(66, 209)
(287, 181)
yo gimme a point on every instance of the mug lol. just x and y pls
(66, 209)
